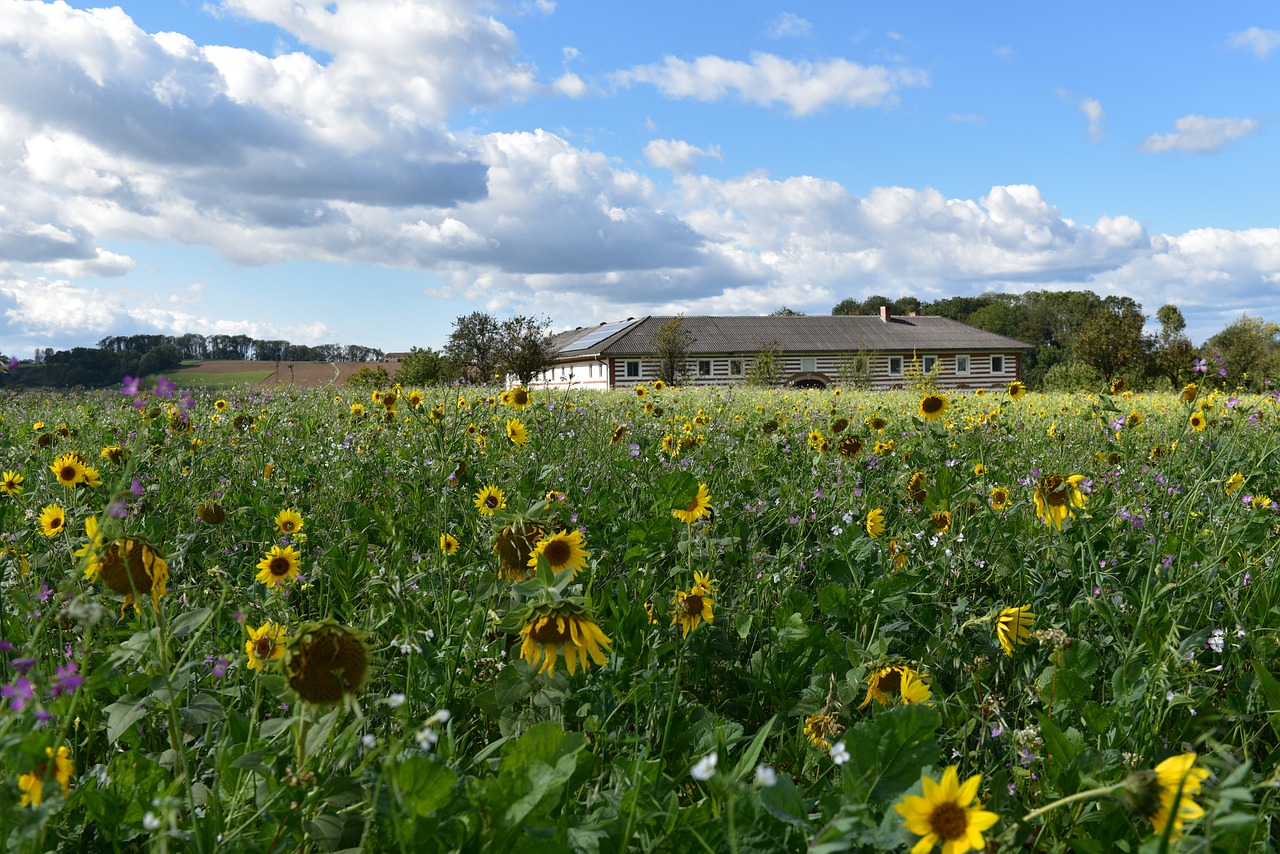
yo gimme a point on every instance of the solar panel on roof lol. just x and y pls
(595, 336)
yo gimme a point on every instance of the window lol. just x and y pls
(895, 366)
(808, 364)
(929, 363)
(997, 364)
(704, 367)
(633, 370)
(735, 367)
(962, 364)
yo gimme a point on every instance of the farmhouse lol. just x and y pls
(807, 352)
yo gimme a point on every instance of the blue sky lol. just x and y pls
(364, 171)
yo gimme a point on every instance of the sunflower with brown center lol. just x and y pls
(514, 546)
(562, 550)
(326, 663)
(564, 625)
(896, 681)
(1055, 495)
(699, 506)
(211, 513)
(68, 469)
(693, 607)
(266, 644)
(279, 567)
(917, 487)
(933, 406)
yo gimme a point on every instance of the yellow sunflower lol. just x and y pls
(699, 506)
(448, 544)
(821, 728)
(92, 550)
(1000, 499)
(220, 405)
(114, 454)
(887, 682)
(932, 406)
(68, 469)
(947, 814)
(279, 567)
(1189, 392)
(288, 522)
(1231, 486)
(1016, 390)
(266, 643)
(357, 409)
(884, 447)
(875, 523)
(562, 550)
(517, 432)
(518, 398)
(1197, 421)
(1013, 627)
(31, 784)
(1118, 385)
(917, 487)
(52, 520)
(1164, 796)
(1055, 496)
(11, 483)
(415, 399)
(941, 521)
(913, 689)
(640, 391)
(490, 500)
(693, 607)
(619, 434)
(659, 385)
(550, 628)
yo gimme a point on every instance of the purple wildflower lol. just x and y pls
(18, 693)
(164, 387)
(129, 387)
(66, 680)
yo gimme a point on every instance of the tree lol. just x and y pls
(767, 369)
(475, 345)
(423, 366)
(1111, 338)
(1248, 350)
(671, 343)
(526, 349)
(1173, 351)
(786, 312)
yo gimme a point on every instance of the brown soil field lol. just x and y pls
(303, 374)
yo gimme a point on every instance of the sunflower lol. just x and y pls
(898, 554)
(114, 454)
(326, 663)
(549, 627)
(980, 470)
(130, 567)
(288, 522)
(93, 477)
(821, 728)
(266, 643)
(874, 523)
(279, 567)
(517, 432)
(884, 447)
(92, 550)
(693, 607)
(1135, 420)
(514, 545)
(555, 497)
(448, 544)
(659, 385)
(415, 399)
(1016, 390)
(52, 520)
(1196, 421)
(875, 422)
(917, 487)
(220, 405)
(1013, 627)
(1000, 499)
(1189, 392)
(490, 500)
(699, 506)
(68, 469)
(211, 513)
(1231, 486)
(890, 681)
(640, 391)
(562, 550)
(816, 440)
(11, 483)
(1056, 495)
(31, 784)
(619, 433)
(941, 521)
(357, 409)
(850, 447)
(947, 814)
(1164, 796)
(389, 400)
(518, 398)
(932, 406)
(1118, 385)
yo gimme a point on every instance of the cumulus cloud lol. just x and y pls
(1199, 135)
(677, 155)
(789, 25)
(1260, 41)
(768, 80)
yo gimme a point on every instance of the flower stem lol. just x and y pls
(1087, 795)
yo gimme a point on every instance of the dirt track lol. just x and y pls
(302, 375)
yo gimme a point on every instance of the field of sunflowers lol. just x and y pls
(722, 621)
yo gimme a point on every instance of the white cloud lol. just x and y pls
(1260, 41)
(788, 25)
(1003, 51)
(804, 87)
(1092, 110)
(1199, 135)
(677, 155)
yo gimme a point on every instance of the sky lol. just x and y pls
(366, 171)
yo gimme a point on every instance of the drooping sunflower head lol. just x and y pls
(698, 506)
(941, 521)
(562, 550)
(933, 406)
(1189, 392)
(68, 469)
(1165, 796)
(211, 513)
(886, 683)
(548, 629)
(821, 728)
(850, 447)
(131, 568)
(619, 434)
(1055, 495)
(490, 500)
(514, 545)
(1013, 627)
(326, 663)
(114, 454)
(1233, 483)
(917, 487)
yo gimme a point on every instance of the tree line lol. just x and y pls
(1081, 340)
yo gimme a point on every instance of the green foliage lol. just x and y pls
(423, 367)
(369, 377)
(671, 346)
(767, 369)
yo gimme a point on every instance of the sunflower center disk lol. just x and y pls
(548, 632)
(693, 605)
(557, 552)
(948, 821)
(279, 566)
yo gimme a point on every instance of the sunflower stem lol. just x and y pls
(1087, 795)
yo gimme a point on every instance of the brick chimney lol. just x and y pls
(884, 313)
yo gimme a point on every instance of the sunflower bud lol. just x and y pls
(1141, 795)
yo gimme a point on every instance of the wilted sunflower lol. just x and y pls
(549, 628)
(619, 433)
(941, 521)
(933, 406)
(917, 487)
(114, 454)
(131, 568)
(1016, 389)
(1000, 499)
(68, 469)
(52, 520)
(850, 447)
(947, 814)
(1189, 392)
(490, 500)
(517, 432)
(211, 513)
(839, 426)
(448, 544)
(562, 550)
(875, 422)
(1055, 496)
(874, 523)
(514, 546)
(326, 662)
(1164, 796)
(1196, 421)
(288, 522)
(1013, 627)
(898, 553)
(31, 784)
(693, 607)
(11, 483)
(279, 567)
(888, 682)
(266, 643)
(821, 728)
(699, 506)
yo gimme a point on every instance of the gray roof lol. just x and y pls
(807, 334)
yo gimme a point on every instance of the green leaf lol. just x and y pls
(782, 801)
(887, 754)
(424, 784)
(1270, 693)
(189, 621)
(122, 714)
